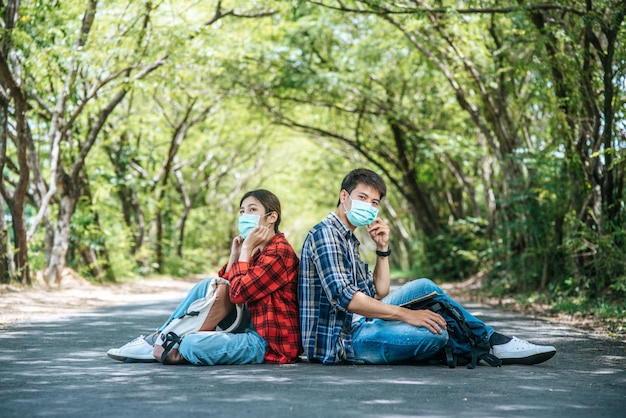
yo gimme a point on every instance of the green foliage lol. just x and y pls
(486, 128)
(611, 311)
(599, 265)
(606, 310)
(458, 253)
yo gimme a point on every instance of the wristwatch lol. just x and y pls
(384, 253)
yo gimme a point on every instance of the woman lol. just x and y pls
(262, 271)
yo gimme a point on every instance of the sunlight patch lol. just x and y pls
(383, 402)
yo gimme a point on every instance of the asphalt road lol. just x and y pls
(60, 369)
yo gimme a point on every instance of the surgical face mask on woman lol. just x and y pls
(361, 213)
(247, 222)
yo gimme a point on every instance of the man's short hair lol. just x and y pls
(363, 176)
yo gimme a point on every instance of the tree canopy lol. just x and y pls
(130, 129)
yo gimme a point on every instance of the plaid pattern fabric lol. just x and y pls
(331, 272)
(268, 284)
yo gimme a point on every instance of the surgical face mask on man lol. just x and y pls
(361, 213)
(247, 222)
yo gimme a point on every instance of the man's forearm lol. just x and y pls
(382, 277)
(371, 308)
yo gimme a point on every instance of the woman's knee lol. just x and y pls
(222, 307)
(221, 293)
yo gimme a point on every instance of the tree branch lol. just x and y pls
(380, 10)
(219, 14)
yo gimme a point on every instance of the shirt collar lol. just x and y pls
(337, 223)
(276, 237)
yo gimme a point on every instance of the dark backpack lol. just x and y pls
(468, 342)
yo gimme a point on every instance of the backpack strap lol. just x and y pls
(482, 351)
(172, 341)
(479, 350)
(491, 360)
(441, 307)
(450, 358)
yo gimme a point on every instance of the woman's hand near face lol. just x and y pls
(259, 236)
(235, 248)
(235, 252)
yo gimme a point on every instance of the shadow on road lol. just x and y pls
(60, 368)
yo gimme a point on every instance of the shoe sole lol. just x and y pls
(131, 360)
(530, 360)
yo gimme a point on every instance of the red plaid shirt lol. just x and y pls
(268, 283)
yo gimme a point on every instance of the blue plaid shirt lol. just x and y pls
(331, 272)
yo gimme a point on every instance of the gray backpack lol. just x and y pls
(193, 318)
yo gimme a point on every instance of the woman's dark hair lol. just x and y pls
(363, 176)
(269, 201)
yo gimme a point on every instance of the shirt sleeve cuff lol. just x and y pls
(345, 297)
(222, 272)
(237, 269)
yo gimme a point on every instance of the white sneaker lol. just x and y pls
(519, 351)
(138, 350)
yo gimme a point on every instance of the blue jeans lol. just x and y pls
(210, 348)
(378, 341)
(213, 348)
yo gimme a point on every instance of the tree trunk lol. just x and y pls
(22, 270)
(140, 234)
(119, 155)
(97, 261)
(187, 205)
(421, 203)
(42, 195)
(15, 200)
(159, 240)
(69, 196)
(180, 225)
(178, 135)
(70, 185)
(486, 169)
(5, 272)
(91, 261)
(400, 233)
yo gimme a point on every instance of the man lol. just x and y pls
(346, 312)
